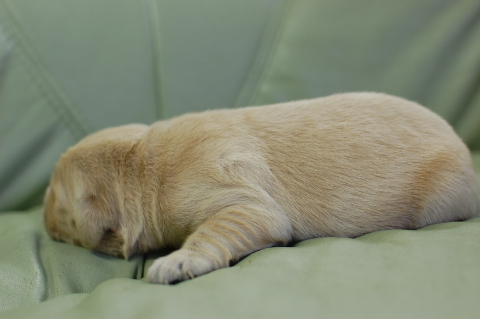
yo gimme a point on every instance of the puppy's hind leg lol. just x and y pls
(226, 236)
(448, 189)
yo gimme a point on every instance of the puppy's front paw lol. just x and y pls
(178, 266)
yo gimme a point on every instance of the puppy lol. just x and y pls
(222, 184)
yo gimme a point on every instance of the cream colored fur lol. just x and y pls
(222, 184)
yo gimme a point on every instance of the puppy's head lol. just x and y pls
(85, 203)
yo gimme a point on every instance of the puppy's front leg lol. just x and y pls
(226, 236)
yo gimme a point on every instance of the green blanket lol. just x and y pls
(387, 274)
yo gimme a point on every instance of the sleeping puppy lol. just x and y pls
(222, 184)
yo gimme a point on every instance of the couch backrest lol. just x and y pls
(69, 68)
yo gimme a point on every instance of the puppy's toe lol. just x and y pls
(180, 265)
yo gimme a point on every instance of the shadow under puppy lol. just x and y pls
(222, 184)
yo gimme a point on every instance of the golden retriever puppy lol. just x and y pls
(222, 184)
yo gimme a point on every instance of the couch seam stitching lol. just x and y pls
(264, 56)
(40, 77)
(153, 21)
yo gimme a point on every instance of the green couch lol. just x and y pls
(69, 68)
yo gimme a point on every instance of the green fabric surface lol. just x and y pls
(387, 274)
(35, 268)
(69, 68)
(476, 162)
